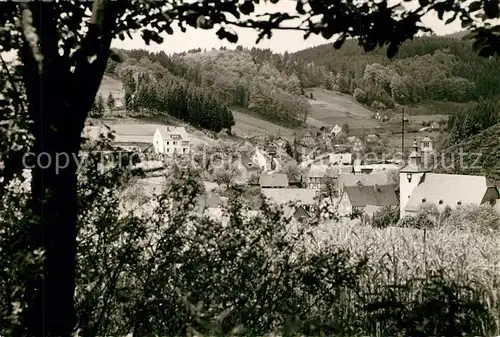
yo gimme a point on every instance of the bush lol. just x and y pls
(482, 218)
(376, 105)
(385, 217)
(360, 96)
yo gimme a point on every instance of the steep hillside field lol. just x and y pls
(247, 124)
(330, 108)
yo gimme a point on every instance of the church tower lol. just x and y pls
(410, 177)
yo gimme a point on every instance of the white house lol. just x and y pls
(260, 159)
(171, 140)
(341, 158)
(336, 129)
(419, 187)
(264, 161)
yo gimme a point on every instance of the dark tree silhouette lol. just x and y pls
(63, 66)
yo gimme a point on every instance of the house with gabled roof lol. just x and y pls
(372, 137)
(336, 129)
(340, 158)
(381, 116)
(352, 179)
(317, 174)
(171, 140)
(366, 199)
(273, 180)
(306, 138)
(246, 167)
(435, 125)
(296, 214)
(419, 187)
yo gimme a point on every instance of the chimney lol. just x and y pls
(168, 128)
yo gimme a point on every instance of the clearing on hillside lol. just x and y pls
(247, 125)
(330, 108)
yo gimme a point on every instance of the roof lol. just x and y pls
(302, 196)
(317, 171)
(290, 211)
(377, 195)
(344, 158)
(247, 162)
(245, 145)
(426, 139)
(274, 180)
(450, 189)
(168, 131)
(349, 179)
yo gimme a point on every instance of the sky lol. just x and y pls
(281, 41)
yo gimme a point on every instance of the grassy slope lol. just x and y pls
(486, 146)
(330, 108)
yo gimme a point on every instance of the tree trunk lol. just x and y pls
(59, 102)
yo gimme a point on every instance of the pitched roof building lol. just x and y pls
(451, 190)
(359, 197)
(372, 179)
(419, 187)
(275, 180)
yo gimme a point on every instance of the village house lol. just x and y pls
(246, 167)
(245, 146)
(274, 180)
(372, 137)
(277, 142)
(304, 197)
(366, 199)
(376, 168)
(381, 116)
(356, 143)
(171, 140)
(317, 174)
(372, 179)
(340, 158)
(261, 159)
(418, 187)
(336, 129)
(306, 138)
(435, 125)
(296, 214)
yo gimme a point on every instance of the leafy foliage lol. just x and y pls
(385, 217)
